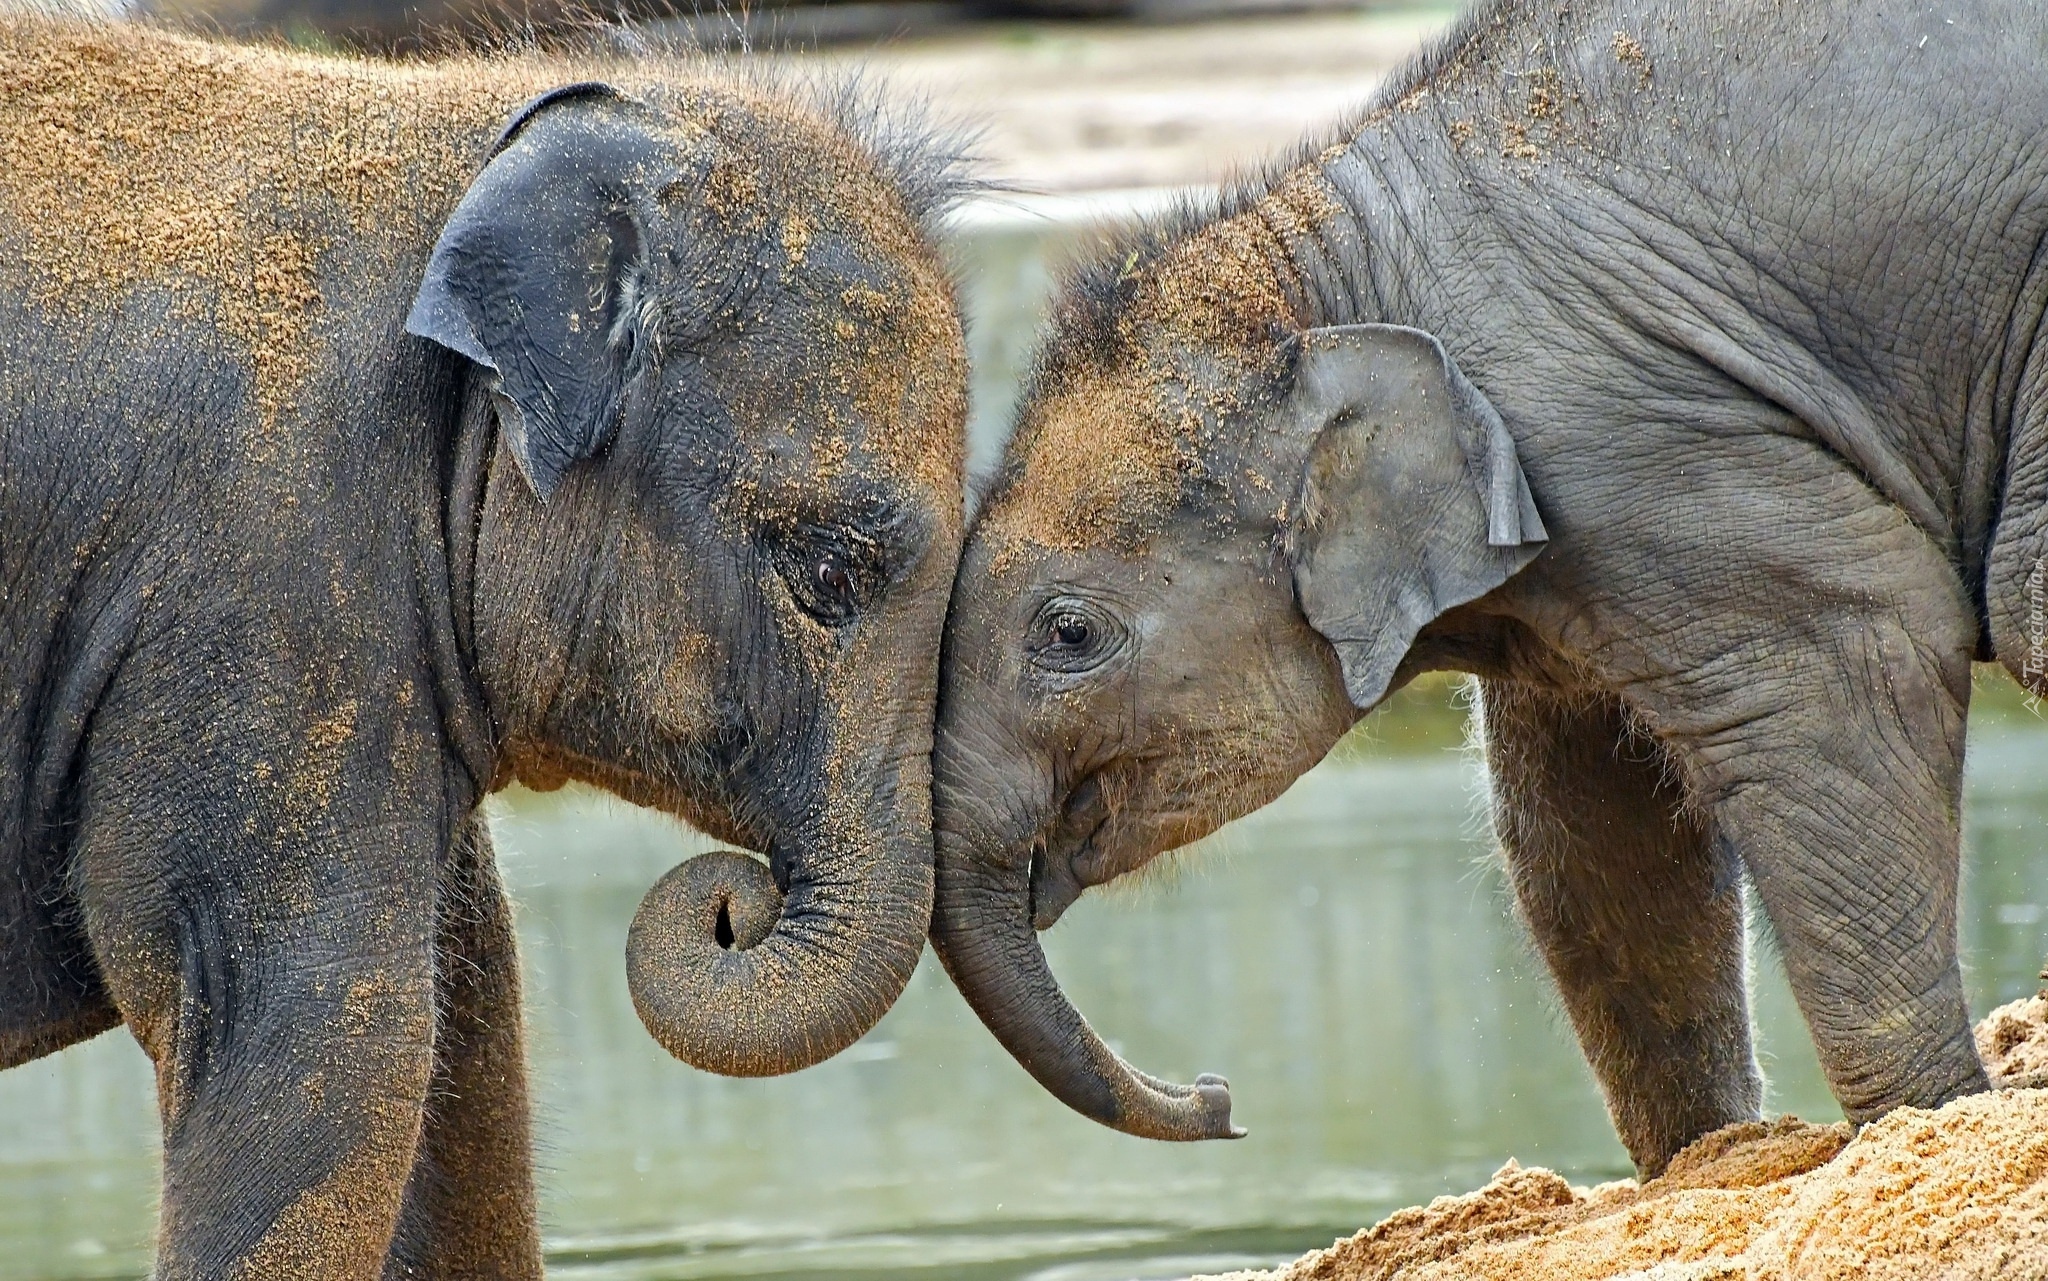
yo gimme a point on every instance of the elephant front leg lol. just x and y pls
(292, 1057)
(1837, 775)
(469, 1207)
(1636, 909)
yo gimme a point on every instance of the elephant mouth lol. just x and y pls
(1056, 881)
(779, 863)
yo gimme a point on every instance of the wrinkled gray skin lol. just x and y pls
(1733, 455)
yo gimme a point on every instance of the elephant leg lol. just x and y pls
(1836, 771)
(287, 1002)
(1636, 909)
(469, 1207)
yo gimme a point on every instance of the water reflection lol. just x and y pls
(1346, 957)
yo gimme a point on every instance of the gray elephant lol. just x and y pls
(372, 436)
(1677, 370)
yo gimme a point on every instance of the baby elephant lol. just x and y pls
(372, 436)
(1680, 372)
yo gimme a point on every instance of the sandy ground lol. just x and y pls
(1092, 107)
(1960, 1192)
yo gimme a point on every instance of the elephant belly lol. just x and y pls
(50, 990)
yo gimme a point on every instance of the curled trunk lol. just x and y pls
(982, 931)
(732, 976)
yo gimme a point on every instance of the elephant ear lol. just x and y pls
(1412, 501)
(536, 273)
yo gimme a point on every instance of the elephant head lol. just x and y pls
(717, 384)
(1216, 534)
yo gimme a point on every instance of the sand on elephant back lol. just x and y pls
(1957, 1192)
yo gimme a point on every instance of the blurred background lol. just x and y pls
(1347, 956)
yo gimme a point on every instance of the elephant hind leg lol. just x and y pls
(1636, 908)
(2016, 597)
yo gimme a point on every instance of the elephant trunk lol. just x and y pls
(982, 931)
(733, 976)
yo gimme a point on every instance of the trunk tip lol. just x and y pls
(1212, 1096)
(1149, 1108)
(1214, 1092)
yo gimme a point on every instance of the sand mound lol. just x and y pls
(2014, 1042)
(1960, 1192)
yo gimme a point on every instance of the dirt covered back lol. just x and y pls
(221, 173)
(253, 188)
(1957, 1192)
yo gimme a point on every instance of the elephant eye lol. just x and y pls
(835, 579)
(830, 572)
(1074, 635)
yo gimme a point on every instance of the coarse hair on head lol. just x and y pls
(928, 159)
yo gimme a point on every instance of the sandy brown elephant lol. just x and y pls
(1676, 369)
(373, 435)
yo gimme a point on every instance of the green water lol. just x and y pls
(1346, 957)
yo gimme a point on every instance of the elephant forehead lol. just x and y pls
(1098, 466)
(754, 159)
(898, 358)
(875, 374)
(1141, 387)
(880, 384)
(1223, 287)
(904, 369)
